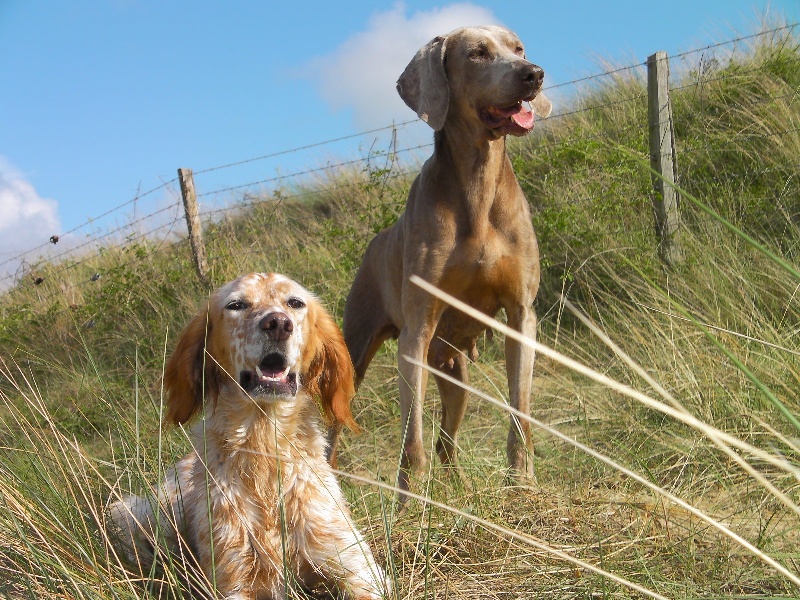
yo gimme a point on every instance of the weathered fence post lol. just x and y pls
(193, 224)
(662, 158)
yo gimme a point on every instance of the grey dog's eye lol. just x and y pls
(295, 303)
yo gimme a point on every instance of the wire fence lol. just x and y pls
(400, 149)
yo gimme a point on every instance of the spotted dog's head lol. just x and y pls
(265, 337)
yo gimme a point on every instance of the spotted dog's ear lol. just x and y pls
(190, 375)
(328, 373)
(423, 85)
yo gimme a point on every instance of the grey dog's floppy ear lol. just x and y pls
(542, 105)
(423, 86)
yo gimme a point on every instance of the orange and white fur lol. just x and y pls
(256, 503)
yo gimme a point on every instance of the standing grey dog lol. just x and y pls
(466, 229)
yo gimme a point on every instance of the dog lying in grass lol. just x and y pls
(255, 505)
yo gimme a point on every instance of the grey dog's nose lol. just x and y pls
(533, 74)
(277, 325)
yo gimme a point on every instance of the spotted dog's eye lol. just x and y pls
(236, 305)
(295, 303)
(519, 51)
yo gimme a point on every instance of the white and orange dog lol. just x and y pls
(255, 503)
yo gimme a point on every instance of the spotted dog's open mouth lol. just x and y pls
(516, 119)
(271, 377)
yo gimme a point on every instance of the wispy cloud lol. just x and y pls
(360, 75)
(26, 219)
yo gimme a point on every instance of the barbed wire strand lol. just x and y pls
(315, 192)
(735, 40)
(678, 55)
(207, 214)
(21, 256)
(307, 147)
(159, 247)
(92, 241)
(128, 240)
(310, 171)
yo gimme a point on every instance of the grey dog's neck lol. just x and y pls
(470, 153)
(478, 163)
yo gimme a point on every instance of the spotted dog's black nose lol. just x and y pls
(277, 325)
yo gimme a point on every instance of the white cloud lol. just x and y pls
(26, 219)
(362, 72)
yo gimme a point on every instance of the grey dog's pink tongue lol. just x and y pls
(523, 117)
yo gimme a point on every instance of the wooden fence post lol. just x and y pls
(193, 224)
(662, 159)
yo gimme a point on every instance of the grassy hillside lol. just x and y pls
(81, 367)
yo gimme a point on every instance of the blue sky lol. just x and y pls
(101, 98)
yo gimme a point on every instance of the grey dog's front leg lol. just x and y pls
(519, 364)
